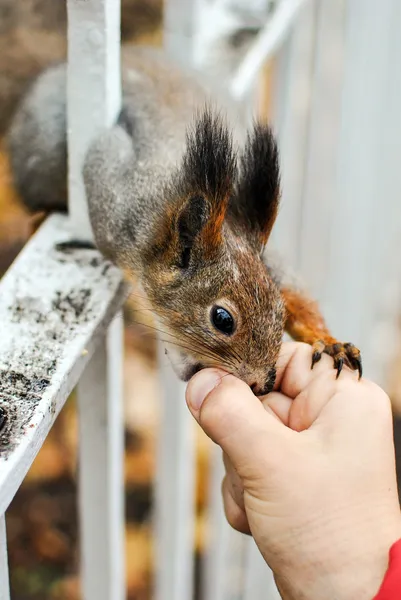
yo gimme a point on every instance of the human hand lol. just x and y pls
(310, 473)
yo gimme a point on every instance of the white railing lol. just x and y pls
(337, 89)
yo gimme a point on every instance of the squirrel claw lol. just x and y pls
(343, 354)
(338, 363)
(316, 356)
(354, 358)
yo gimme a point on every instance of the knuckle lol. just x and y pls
(369, 400)
(379, 402)
(233, 520)
(235, 516)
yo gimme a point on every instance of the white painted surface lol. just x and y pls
(93, 89)
(4, 578)
(175, 478)
(174, 492)
(259, 580)
(94, 100)
(178, 26)
(101, 476)
(382, 338)
(215, 559)
(319, 194)
(291, 107)
(54, 307)
(365, 226)
(268, 41)
(224, 556)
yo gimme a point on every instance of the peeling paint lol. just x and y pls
(53, 302)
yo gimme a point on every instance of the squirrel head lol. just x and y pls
(213, 297)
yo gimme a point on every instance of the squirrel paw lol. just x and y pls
(343, 354)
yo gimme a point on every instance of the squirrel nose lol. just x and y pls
(268, 385)
(260, 390)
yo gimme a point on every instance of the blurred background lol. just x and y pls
(42, 519)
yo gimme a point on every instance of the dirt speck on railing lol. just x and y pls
(16, 414)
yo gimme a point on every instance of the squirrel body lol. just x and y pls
(184, 198)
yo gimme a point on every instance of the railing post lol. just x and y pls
(4, 577)
(259, 580)
(94, 99)
(93, 89)
(101, 481)
(293, 77)
(218, 534)
(319, 201)
(223, 573)
(364, 253)
(174, 494)
(175, 479)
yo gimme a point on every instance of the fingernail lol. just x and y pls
(201, 385)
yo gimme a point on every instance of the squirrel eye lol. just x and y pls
(222, 320)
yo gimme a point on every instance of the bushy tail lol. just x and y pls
(37, 143)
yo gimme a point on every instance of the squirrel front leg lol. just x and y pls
(305, 323)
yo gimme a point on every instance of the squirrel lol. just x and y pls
(182, 197)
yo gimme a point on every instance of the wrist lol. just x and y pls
(391, 585)
(361, 579)
(352, 568)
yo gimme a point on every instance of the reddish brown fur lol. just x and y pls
(267, 229)
(305, 323)
(212, 234)
(235, 277)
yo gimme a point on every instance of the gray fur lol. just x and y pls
(125, 177)
(125, 173)
(37, 143)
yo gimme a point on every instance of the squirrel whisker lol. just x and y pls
(196, 348)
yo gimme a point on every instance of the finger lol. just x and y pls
(360, 406)
(234, 418)
(278, 405)
(309, 403)
(234, 514)
(294, 371)
(351, 397)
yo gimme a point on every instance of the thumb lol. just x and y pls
(233, 417)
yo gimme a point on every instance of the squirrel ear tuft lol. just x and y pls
(209, 163)
(256, 202)
(206, 178)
